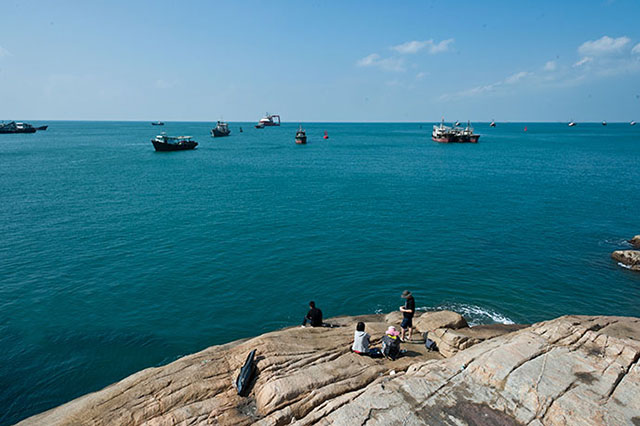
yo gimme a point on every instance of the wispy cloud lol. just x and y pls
(386, 64)
(550, 66)
(421, 75)
(583, 61)
(603, 46)
(493, 87)
(4, 52)
(415, 46)
(636, 49)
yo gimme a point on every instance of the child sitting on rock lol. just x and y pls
(361, 342)
(391, 343)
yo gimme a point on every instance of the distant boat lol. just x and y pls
(157, 123)
(42, 128)
(240, 129)
(13, 127)
(457, 123)
(221, 129)
(301, 136)
(268, 120)
(493, 123)
(604, 123)
(572, 124)
(162, 142)
(633, 123)
(326, 135)
(447, 134)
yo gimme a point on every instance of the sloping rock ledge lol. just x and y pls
(630, 259)
(571, 370)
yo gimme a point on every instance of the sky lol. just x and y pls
(320, 61)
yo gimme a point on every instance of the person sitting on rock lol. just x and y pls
(408, 310)
(361, 342)
(314, 316)
(391, 343)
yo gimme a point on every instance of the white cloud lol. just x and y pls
(603, 46)
(516, 77)
(415, 46)
(550, 66)
(369, 60)
(421, 75)
(493, 87)
(583, 61)
(636, 49)
(4, 52)
(387, 64)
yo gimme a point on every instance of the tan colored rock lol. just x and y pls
(299, 369)
(635, 241)
(629, 258)
(441, 319)
(450, 341)
(568, 371)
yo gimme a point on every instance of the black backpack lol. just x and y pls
(390, 347)
(428, 343)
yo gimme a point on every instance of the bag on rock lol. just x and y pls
(428, 343)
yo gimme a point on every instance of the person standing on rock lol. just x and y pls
(314, 316)
(408, 310)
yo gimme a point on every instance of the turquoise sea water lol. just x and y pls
(114, 258)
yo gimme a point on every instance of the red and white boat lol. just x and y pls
(446, 134)
(268, 120)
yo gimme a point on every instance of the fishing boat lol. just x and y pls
(493, 123)
(633, 123)
(268, 120)
(455, 134)
(221, 129)
(157, 123)
(604, 123)
(301, 136)
(162, 142)
(13, 127)
(572, 123)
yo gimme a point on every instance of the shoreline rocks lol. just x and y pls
(571, 370)
(635, 241)
(630, 259)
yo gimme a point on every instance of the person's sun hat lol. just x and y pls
(406, 293)
(391, 331)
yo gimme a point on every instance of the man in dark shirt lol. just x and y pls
(314, 316)
(407, 310)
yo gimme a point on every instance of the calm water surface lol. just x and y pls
(114, 258)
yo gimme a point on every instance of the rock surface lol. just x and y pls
(571, 370)
(451, 341)
(429, 321)
(629, 258)
(635, 241)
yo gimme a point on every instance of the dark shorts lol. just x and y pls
(406, 323)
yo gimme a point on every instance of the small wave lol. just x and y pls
(474, 314)
(624, 266)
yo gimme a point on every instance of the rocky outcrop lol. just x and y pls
(630, 259)
(450, 341)
(635, 241)
(441, 319)
(572, 370)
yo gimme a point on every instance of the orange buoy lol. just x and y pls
(326, 136)
(525, 128)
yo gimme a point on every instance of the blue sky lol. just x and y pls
(320, 60)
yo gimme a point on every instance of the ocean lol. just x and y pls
(114, 258)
